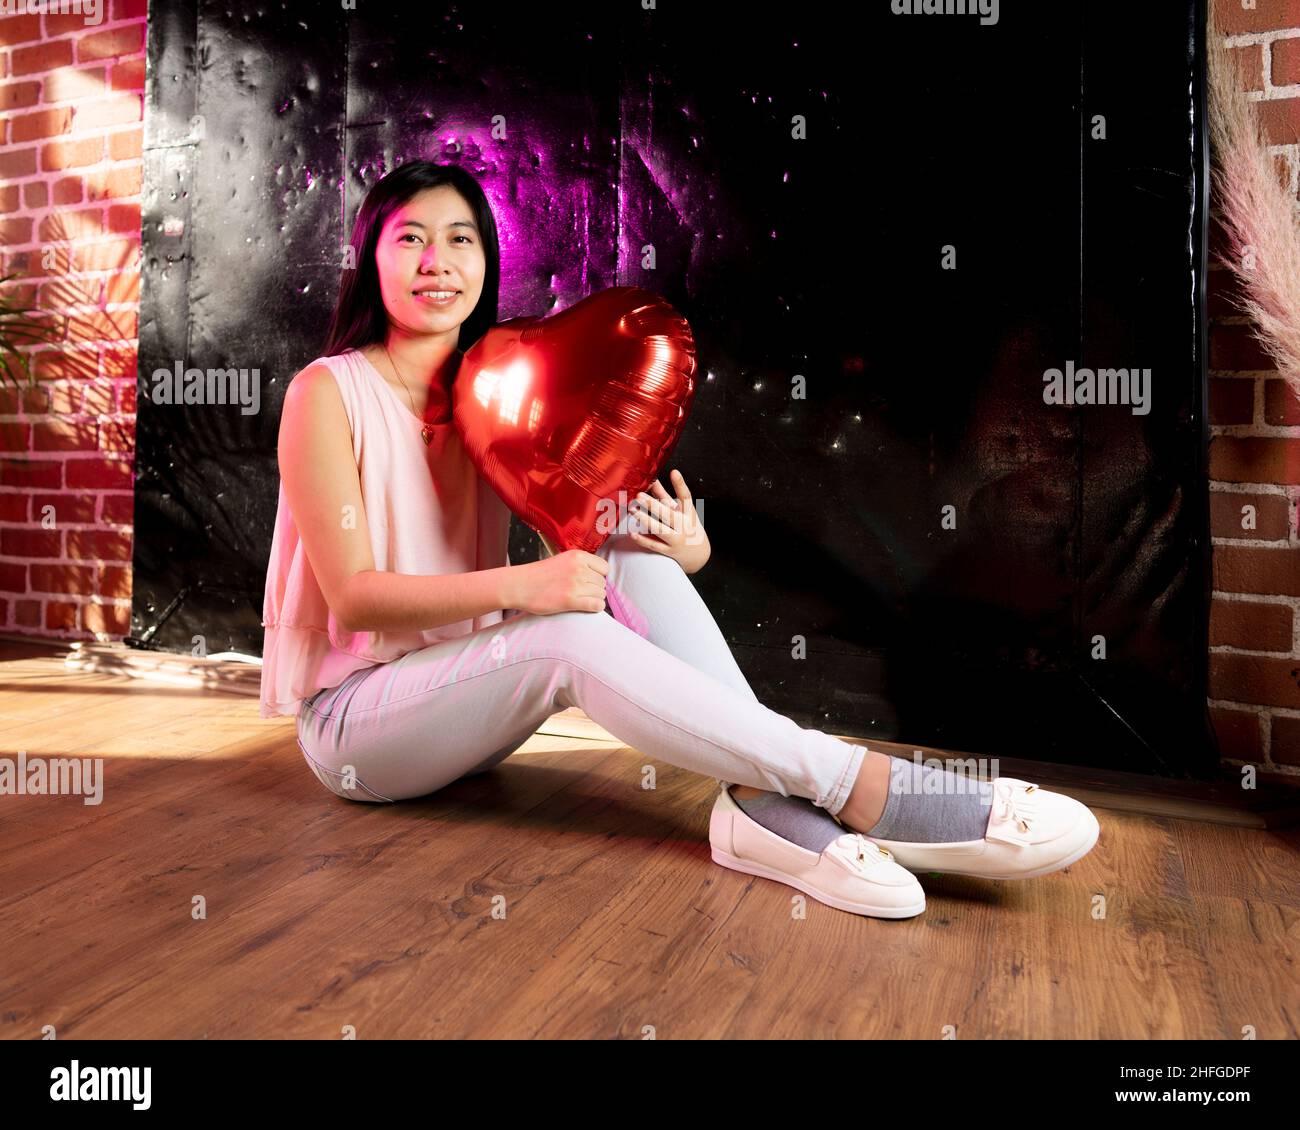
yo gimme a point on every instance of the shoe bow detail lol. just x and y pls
(861, 852)
(1015, 808)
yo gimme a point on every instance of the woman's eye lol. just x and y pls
(465, 238)
(409, 235)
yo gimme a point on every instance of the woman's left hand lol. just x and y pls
(680, 533)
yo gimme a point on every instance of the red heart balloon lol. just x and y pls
(569, 417)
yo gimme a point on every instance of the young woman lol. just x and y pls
(413, 653)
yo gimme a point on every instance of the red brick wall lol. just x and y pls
(1255, 451)
(71, 115)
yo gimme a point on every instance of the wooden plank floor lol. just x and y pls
(553, 897)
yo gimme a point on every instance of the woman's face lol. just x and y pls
(431, 243)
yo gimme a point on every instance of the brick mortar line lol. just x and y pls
(86, 134)
(1259, 598)
(77, 347)
(41, 211)
(110, 94)
(100, 274)
(82, 561)
(104, 24)
(82, 311)
(105, 385)
(1261, 431)
(1229, 649)
(107, 130)
(83, 134)
(94, 602)
(1273, 93)
(37, 142)
(91, 308)
(63, 561)
(1249, 38)
(1254, 708)
(76, 64)
(31, 211)
(64, 384)
(115, 416)
(1229, 486)
(33, 350)
(74, 67)
(101, 601)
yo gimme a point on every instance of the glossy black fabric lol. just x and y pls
(851, 388)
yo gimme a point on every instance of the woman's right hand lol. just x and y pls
(572, 581)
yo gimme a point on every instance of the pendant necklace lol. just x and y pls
(426, 430)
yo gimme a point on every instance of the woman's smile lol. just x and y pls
(437, 298)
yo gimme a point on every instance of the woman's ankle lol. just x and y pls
(866, 803)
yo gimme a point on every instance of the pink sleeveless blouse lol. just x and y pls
(429, 513)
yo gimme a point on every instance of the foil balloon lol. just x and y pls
(569, 417)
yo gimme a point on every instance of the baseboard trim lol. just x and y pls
(1275, 803)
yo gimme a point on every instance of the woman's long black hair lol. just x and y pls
(359, 314)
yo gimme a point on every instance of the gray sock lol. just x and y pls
(926, 804)
(793, 818)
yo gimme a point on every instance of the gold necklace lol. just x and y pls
(426, 430)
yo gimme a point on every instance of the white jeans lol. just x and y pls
(410, 726)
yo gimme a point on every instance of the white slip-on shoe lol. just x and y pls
(1030, 832)
(851, 874)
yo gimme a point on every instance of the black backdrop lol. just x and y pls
(599, 129)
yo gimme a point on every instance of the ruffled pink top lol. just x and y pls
(429, 513)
